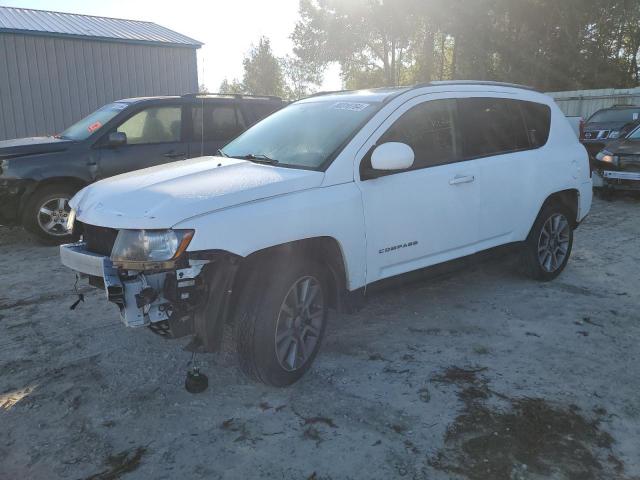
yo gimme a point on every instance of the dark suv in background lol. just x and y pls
(39, 175)
(607, 125)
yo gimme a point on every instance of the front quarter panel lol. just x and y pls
(334, 211)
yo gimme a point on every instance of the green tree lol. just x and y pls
(301, 78)
(233, 86)
(262, 71)
(550, 44)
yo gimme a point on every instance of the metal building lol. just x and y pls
(584, 103)
(55, 68)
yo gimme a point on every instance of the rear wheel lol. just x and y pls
(281, 320)
(46, 213)
(548, 247)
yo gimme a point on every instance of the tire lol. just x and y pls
(35, 221)
(551, 232)
(264, 312)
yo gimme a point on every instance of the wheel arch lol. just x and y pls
(325, 250)
(74, 182)
(569, 198)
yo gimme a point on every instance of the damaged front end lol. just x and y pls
(154, 281)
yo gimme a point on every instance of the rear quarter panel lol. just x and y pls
(562, 164)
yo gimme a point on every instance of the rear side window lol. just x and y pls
(491, 126)
(222, 122)
(537, 119)
(429, 129)
(257, 110)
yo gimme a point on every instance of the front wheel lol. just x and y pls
(548, 246)
(280, 321)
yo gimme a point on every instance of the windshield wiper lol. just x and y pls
(258, 158)
(220, 153)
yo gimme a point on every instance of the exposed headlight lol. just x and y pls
(607, 157)
(149, 246)
(71, 220)
(614, 134)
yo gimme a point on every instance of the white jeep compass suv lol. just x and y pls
(323, 197)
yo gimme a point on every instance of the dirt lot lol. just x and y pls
(478, 374)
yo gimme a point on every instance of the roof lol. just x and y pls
(374, 95)
(387, 93)
(44, 22)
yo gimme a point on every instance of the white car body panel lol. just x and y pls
(161, 196)
(242, 207)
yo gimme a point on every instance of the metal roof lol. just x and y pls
(44, 22)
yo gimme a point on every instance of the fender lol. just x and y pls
(334, 211)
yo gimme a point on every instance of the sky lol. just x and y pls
(227, 28)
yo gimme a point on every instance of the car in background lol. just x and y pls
(577, 124)
(606, 125)
(617, 167)
(39, 175)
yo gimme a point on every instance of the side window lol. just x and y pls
(491, 126)
(153, 125)
(429, 129)
(259, 109)
(537, 119)
(221, 122)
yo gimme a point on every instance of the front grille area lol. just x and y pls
(630, 163)
(99, 239)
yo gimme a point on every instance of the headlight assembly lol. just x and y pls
(149, 246)
(607, 157)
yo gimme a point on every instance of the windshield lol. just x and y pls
(94, 122)
(303, 134)
(620, 115)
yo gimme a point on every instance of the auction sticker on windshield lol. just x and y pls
(94, 126)
(353, 106)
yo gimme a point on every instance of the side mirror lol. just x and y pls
(116, 139)
(392, 156)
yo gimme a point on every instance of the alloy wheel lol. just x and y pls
(553, 244)
(300, 322)
(53, 216)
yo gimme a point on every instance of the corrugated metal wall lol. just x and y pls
(584, 103)
(48, 83)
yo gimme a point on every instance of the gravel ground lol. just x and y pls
(479, 373)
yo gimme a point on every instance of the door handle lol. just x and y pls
(458, 179)
(91, 164)
(175, 155)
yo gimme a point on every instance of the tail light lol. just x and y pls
(581, 129)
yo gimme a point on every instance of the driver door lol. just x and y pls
(426, 214)
(154, 136)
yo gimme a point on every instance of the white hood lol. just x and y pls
(160, 197)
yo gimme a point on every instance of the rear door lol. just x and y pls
(154, 136)
(222, 122)
(429, 213)
(502, 135)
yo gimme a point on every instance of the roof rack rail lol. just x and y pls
(438, 83)
(234, 95)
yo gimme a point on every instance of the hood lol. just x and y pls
(21, 147)
(160, 197)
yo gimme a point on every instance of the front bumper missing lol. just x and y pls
(144, 299)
